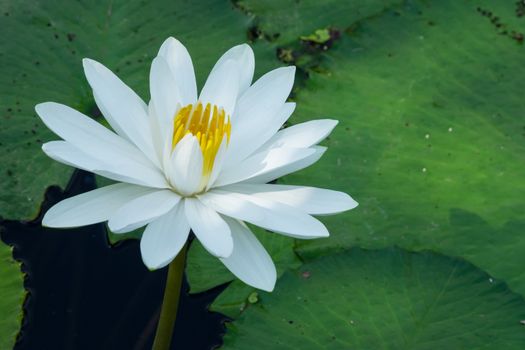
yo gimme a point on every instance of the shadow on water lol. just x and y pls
(85, 294)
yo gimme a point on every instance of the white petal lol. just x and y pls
(186, 165)
(302, 135)
(157, 133)
(272, 88)
(114, 125)
(65, 153)
(232, 205)
(122, 107)
(163, 238)
(93, 206)
(165, 94)
(181, 66)
(118, 169)
(245, 62)
(263, 163)
(211, 230)
(249, 261)
(89, 136)
(142, 210)
(289, 168)
(167, 148)
(257, 107)
(271, 215)
(311, 200)
(222, 87)
(238, 152)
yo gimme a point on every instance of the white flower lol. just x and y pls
(199, 162)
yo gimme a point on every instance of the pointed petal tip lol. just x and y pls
(326, 124)
(171, 40)
(323, 233)
(246, 49)
(226, 253)
(86, 62)
(90, 67)
(287, 72)
(267, 283)
(153, 265)
(46, 222)
(45, 146)
(168, 44)
(320, 150)
(52, 221)
(333, 121)
(267, 287)
(348, 203)
(40, 107)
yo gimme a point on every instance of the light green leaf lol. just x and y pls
(234, 299)
(320, 36)
(12, 295)
(286, 20)
(431, 134)
(386, 299)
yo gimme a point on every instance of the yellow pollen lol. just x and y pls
(209, 125)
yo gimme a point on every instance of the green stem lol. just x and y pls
(170, 303)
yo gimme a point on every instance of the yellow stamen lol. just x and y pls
(209, 125)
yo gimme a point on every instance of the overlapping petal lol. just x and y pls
(122, 107)
(181, 66)
(311, 200)
(186, 165)
(142, 210)
(168, 187)
(211, 230)
(271, 215)
(165, 95)
(163, 238)
(92, 207)
(222, 87)
(249, 261)
(302, 135)
(290, 167)
(89, 136)
(118, 169)
(263, 163)
(244, 60)
(271, 126)
(257, 106)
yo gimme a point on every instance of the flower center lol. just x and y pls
(208, 124)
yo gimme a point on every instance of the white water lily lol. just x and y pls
(194, 162)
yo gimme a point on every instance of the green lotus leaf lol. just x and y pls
(12, 292)
(431, 134)
(385, 299)
(285, 21)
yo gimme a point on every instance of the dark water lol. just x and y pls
(84, 294)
